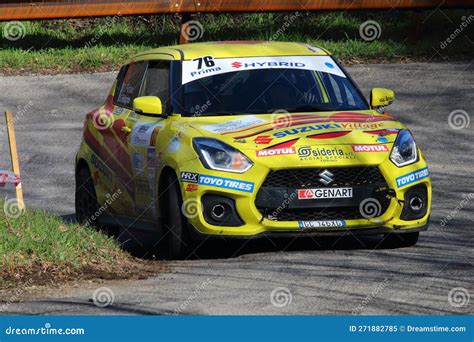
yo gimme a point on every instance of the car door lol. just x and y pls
(141, 143)
(115, 139)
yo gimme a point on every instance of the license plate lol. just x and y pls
(322, 224)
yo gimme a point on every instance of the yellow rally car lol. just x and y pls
(248, 139)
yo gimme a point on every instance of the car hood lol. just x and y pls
(364, 136)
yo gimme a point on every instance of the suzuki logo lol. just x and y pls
(236, 65)
(326, 177)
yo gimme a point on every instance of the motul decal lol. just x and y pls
(370, 148)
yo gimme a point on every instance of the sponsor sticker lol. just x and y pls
(307, 129)
(275, 152)
(226, 183)
(231, 125)
(323, 154)
(370, 148)
(191, 187)
(323, 193)
(218, 182)
(142, 133)
(263, 139)
(322, 224)
(412, 177)
(138, 162)
(189, 177)
(195, 69)
(101, 167)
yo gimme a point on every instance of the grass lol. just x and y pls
(102, 44)
(40, 248)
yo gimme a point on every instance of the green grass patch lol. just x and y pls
(40, 248)
(81, 45)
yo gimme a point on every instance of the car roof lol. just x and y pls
(229, 49)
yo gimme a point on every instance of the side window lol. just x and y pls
(157, 82)
(118, 86)
(130, 87)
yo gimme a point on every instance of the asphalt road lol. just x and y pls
(318, 276)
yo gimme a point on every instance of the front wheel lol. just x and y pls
(402, 239)
(179, 243)
(86, 199)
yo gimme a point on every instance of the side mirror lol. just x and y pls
(148, 105)
(381, 97)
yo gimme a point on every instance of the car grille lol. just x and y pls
(308, 178)
(305, 178)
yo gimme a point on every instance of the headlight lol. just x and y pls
(216, 155)
(404, 151)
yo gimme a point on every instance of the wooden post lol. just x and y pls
(183, 32)
(14, 157)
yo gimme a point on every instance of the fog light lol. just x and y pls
(415, 203)
(220, 211)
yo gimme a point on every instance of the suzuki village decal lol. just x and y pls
(412, 177)
(231, 125)
(370, 148)
(322, 224)
(218, 182)
(208, 66)
(324, 193)
(324, 154)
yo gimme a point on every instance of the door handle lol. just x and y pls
(126, 129)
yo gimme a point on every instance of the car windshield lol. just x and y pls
(254, 89)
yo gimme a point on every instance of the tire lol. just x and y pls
(87, 205)
(402, 239)
(179, 243)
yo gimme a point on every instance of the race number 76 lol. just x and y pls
(207, 60)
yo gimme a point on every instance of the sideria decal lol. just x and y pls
(370, 148)
(322, 224)
(218, 182)
(412, 177)
(323, 153)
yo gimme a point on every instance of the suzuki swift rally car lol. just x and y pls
(244, 139)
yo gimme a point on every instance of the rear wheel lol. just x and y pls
(86, 199)
(179, 242)
(402, 239)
